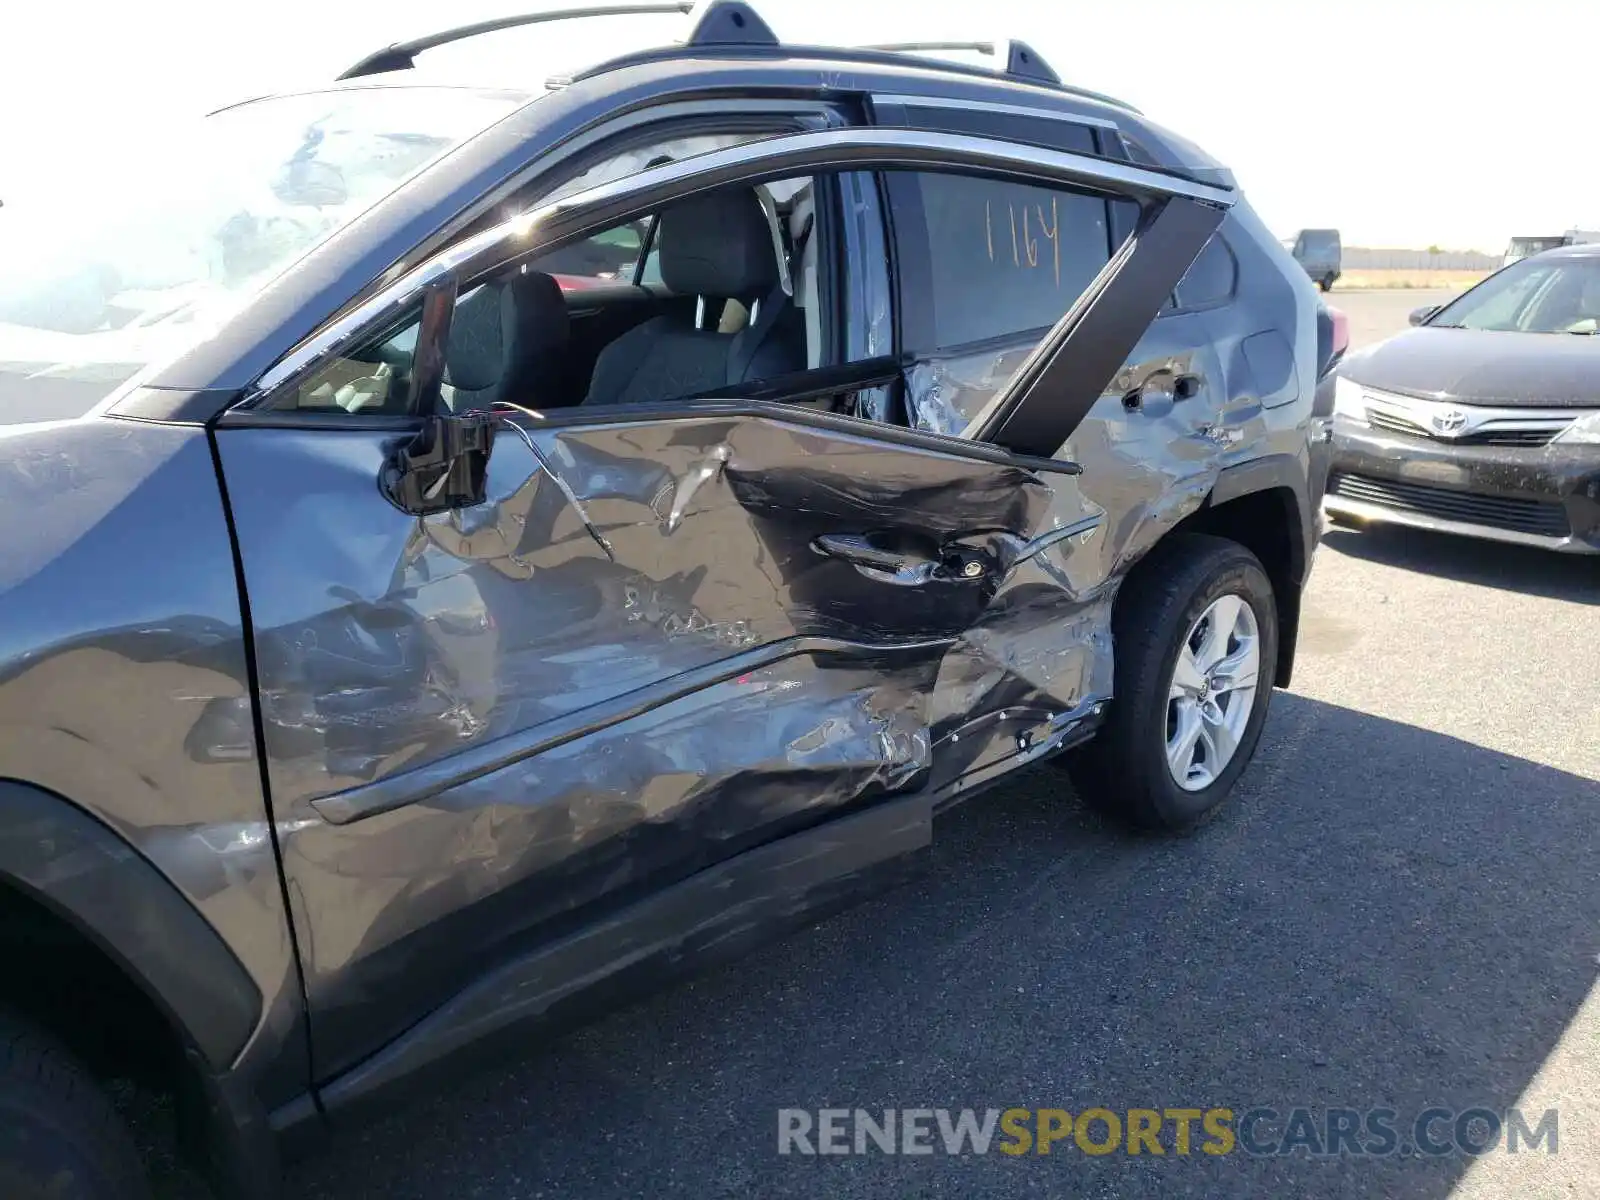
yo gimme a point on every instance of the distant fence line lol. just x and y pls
(1369, 258)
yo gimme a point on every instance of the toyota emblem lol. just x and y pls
(1450, 421)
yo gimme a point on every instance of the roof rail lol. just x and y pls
(723, 25)
(1022, 60)
(401, 56)
(858, 54)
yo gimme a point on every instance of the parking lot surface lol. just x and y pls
(1398, 909)
(1375, 315)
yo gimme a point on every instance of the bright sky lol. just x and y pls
(1401, 122)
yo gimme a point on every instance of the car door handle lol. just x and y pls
(906, 566)
(858, 549)
(1162, 386)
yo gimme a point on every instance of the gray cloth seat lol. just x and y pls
(719, 247)
(505, 343)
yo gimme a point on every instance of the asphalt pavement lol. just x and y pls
(1399, 909)
(1374, 315)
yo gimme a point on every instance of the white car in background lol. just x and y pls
(1526, 247)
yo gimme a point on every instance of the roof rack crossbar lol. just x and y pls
(912, 47)
(401, 56)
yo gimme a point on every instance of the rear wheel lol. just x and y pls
(1196, 633)
(60, 1138)
(1326, 282)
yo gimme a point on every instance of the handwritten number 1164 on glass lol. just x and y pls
(1022, 222)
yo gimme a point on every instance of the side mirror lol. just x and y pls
(1419, 315)
(445, 466)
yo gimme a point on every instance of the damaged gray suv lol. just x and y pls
(472, 554)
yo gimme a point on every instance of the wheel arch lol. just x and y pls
(58, 862)
(156, 974)
(1262, 505)
(77, 991)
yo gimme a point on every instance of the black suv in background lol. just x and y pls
(494, 550)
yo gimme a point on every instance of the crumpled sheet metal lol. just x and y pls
(946, 394)
(1041, 651)
(391, 649)
(471, 723)
(407, 904)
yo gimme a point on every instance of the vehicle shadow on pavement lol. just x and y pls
(1383, 917)
(1556, 576)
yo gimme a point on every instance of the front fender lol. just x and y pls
(55, 853)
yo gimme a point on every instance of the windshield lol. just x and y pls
(139, 259)
(1536, 295)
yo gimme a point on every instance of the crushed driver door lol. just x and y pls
(506, 731)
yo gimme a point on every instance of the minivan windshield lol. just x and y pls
(1536, 295)
(139, 259)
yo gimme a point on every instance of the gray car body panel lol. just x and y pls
(460, 784)
(572, 723)
(489, 727)
(124, 688)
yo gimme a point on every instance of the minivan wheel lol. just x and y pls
(1326, 283)
(60, 1137)
(1196, 640)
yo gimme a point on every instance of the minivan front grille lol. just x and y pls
(1545, 518)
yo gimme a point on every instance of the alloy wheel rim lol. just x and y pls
(1212, 692)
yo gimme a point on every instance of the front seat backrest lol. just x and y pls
(505, 342)
(719, 247)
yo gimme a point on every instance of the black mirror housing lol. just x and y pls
(444, 466)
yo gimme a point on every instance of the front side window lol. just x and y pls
(101, 280)
(742, 300)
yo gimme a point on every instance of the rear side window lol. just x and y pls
(986, 268)
(1211, 277)
(986, 259)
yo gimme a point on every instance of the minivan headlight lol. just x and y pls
(1348, 401)
(1585, 431)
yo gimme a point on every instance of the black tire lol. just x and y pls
(1124, 771)
(1326, 282)
(60, 1137)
